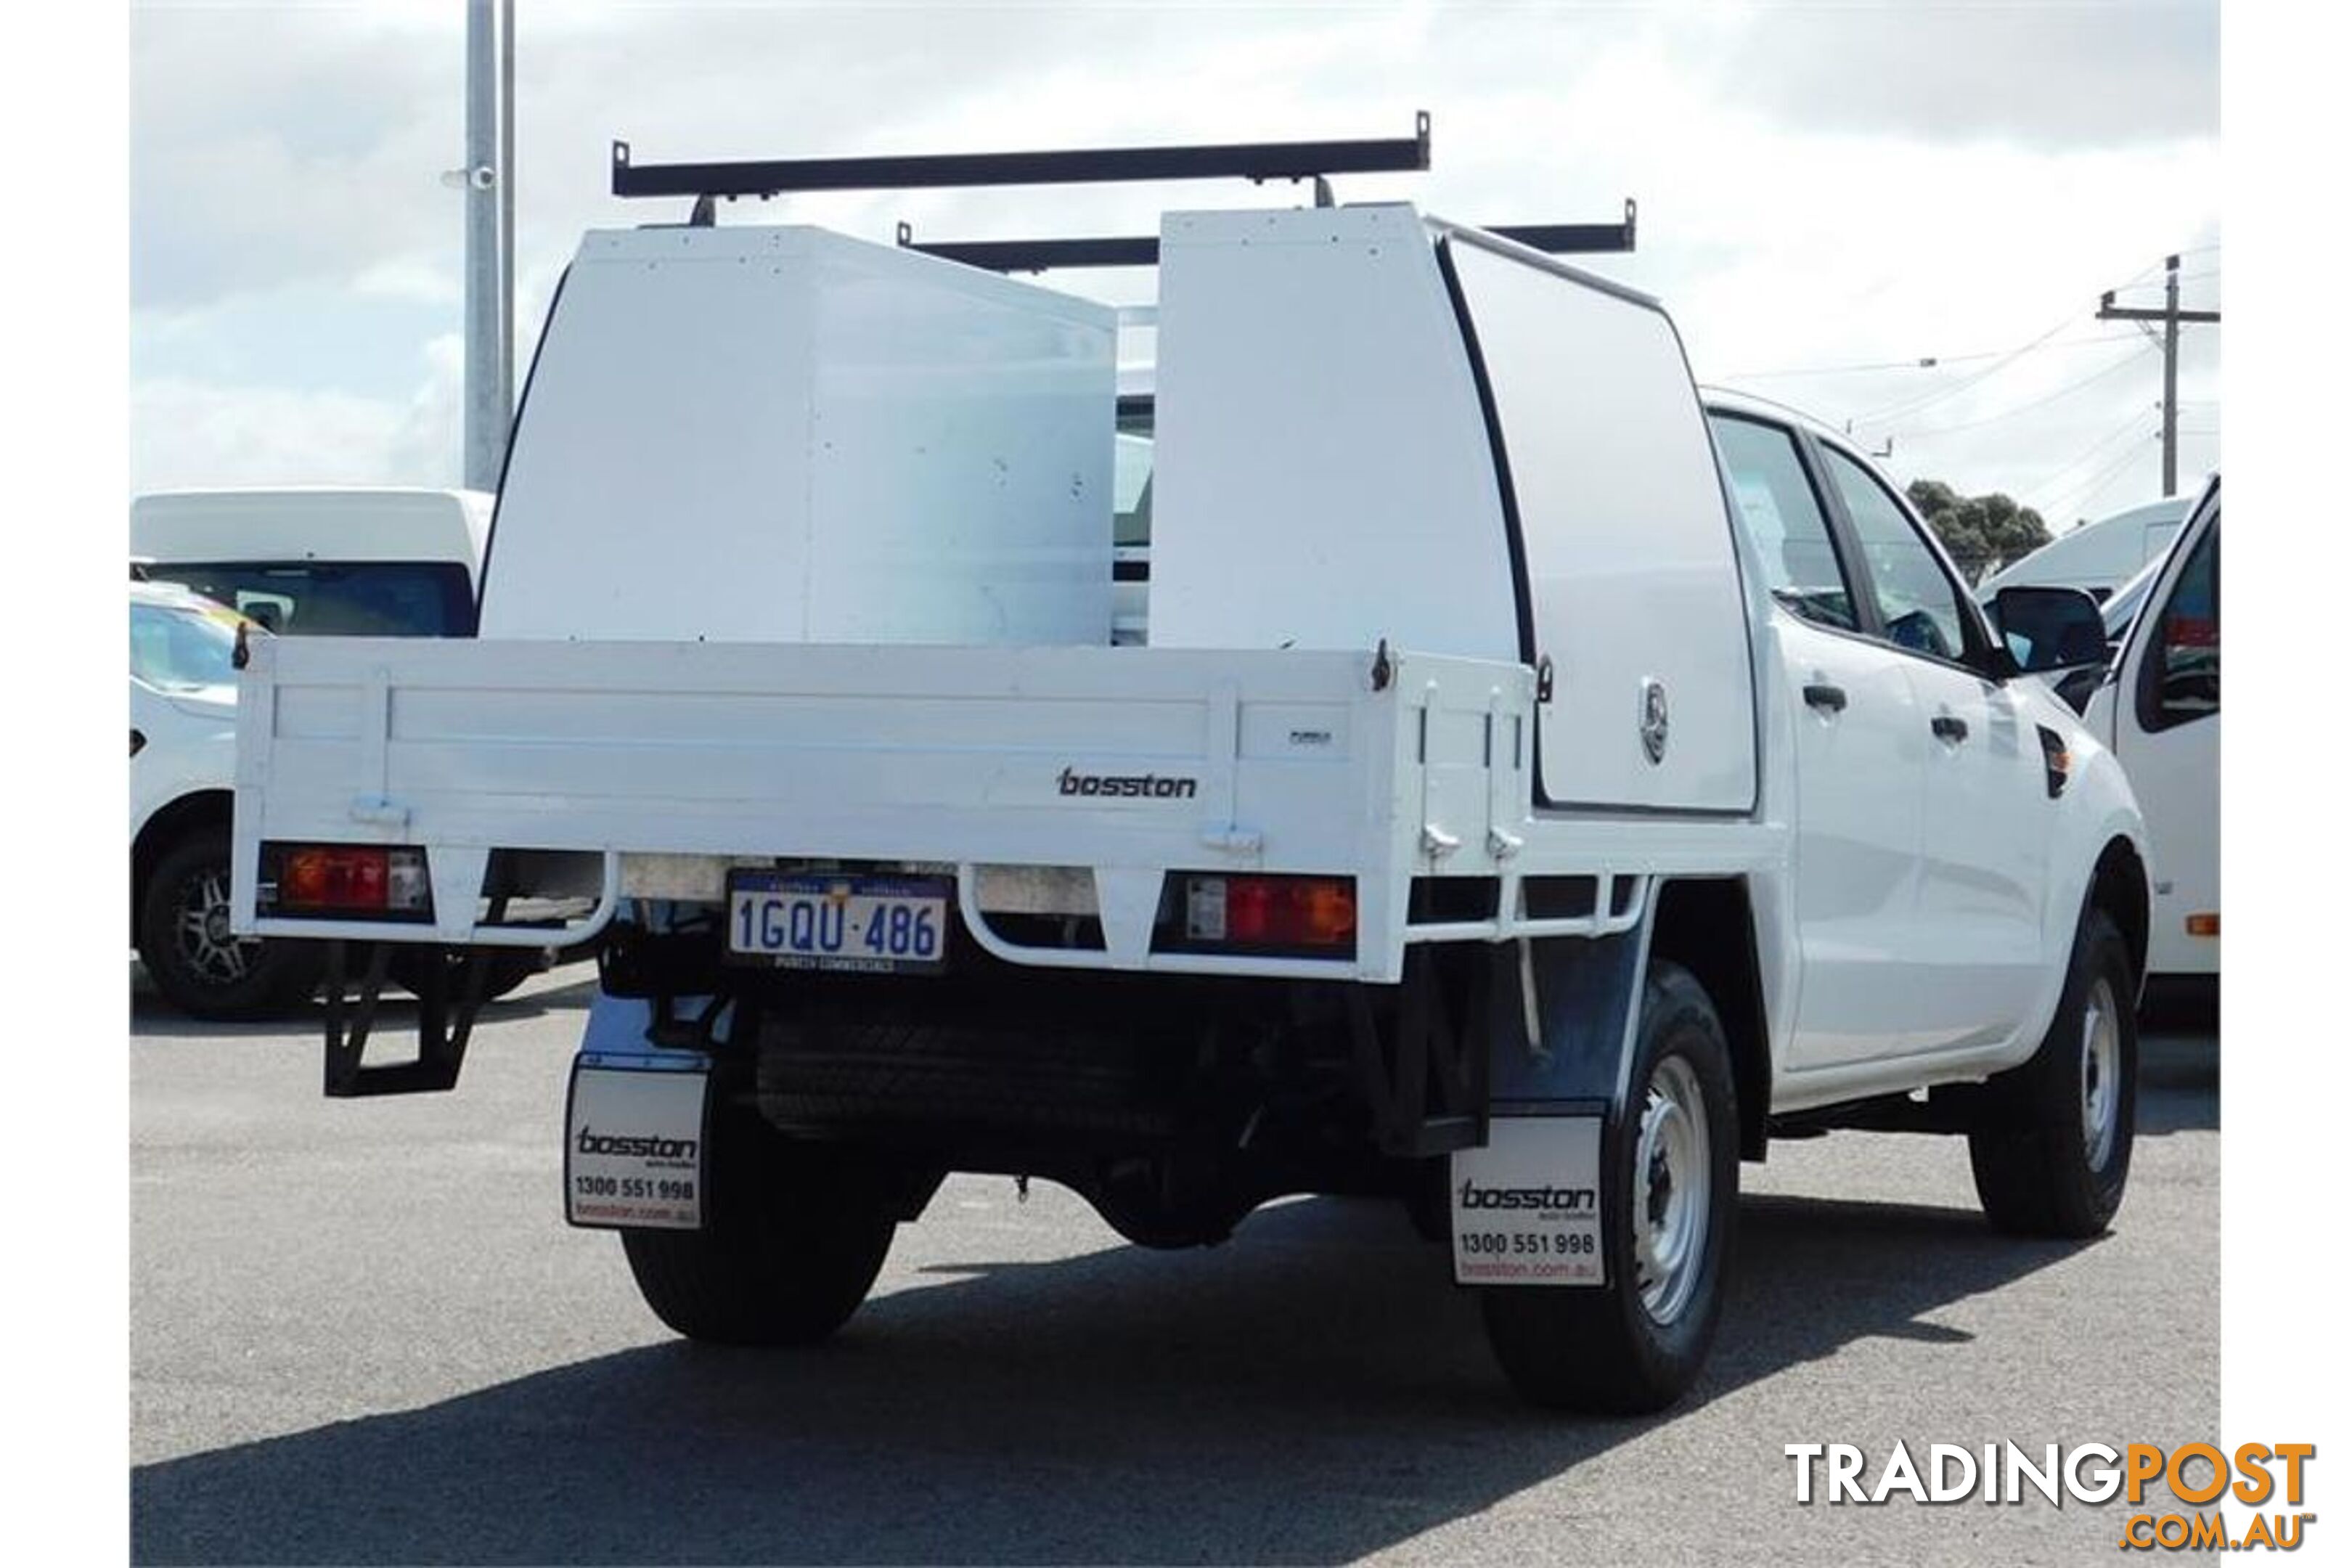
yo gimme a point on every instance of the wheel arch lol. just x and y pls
(1707, 925)
(2119, 889)
(194, 811)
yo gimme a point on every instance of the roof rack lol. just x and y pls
(1143, 249)
(1258, 162)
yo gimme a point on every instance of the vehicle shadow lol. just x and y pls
(559, 990)
(1314, 1391)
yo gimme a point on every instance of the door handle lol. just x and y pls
(1947, 727)
(1827, 698)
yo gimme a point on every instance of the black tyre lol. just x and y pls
(1669, 1187)
(790, 1248)
(2053, 1147)
(186, 945)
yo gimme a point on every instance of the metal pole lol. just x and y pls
(2171, 373)
(506, 222)
(485, 404)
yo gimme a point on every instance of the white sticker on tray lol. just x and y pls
(1527, 1207)
(633, 1148)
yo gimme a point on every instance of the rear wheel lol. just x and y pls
(185, 943)
(1669, 1183)
(791, 1244)
(2053, 1148)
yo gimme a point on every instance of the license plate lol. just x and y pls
(635, 1138)
(863, 925)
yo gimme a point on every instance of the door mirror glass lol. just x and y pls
(2050, 627)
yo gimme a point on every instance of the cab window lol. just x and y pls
(1917, 604)
(1777, 505)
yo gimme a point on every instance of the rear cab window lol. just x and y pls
(1776, 504)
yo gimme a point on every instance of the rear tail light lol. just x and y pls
(2205, 924)
(1290, 913)
(386, 881)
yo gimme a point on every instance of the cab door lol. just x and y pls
(1859, 746)
(1978, 957)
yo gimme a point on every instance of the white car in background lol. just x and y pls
(320, 561)
(183, 767)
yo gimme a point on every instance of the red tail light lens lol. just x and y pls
(345, 880)
(1270, 911)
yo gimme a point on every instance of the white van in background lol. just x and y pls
(311, 560)
(2097, 557)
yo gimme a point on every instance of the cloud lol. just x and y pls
(189, 433)
(270, 147)
(2056, 76)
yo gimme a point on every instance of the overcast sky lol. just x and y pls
(1821, 186)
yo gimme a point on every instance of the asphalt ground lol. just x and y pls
(361, 1332)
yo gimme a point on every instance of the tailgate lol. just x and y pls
(1125, 764)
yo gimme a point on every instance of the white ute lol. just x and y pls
(1532, 794)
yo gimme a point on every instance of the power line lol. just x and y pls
(2097, 483)
(2185, 278)
(1925, 362)
(1914, 405)
(2071, 388)
(2042, 485)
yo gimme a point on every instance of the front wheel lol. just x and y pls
(2052, 1146)
(792, 1244)
(1669, 1183)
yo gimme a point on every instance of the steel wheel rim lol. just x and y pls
(1673, 1182)
(200, 933)
(2101, 1073)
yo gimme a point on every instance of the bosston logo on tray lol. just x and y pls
(592, 1142)
(1129, 786)
(1572, 1200)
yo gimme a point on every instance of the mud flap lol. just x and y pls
(1526, 1206)
(637, 1126)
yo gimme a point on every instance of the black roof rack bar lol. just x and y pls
(1241, 160)
(1143, 249)
(1041, 255)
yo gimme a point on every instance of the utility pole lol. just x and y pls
(486, 180)
(2172, 315)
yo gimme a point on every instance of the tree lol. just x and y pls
(1984, 533)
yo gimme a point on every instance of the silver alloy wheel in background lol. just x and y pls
(2102, 1071)
(201, 932)
(1673, 1184)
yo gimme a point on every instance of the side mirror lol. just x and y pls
(2050, 628)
